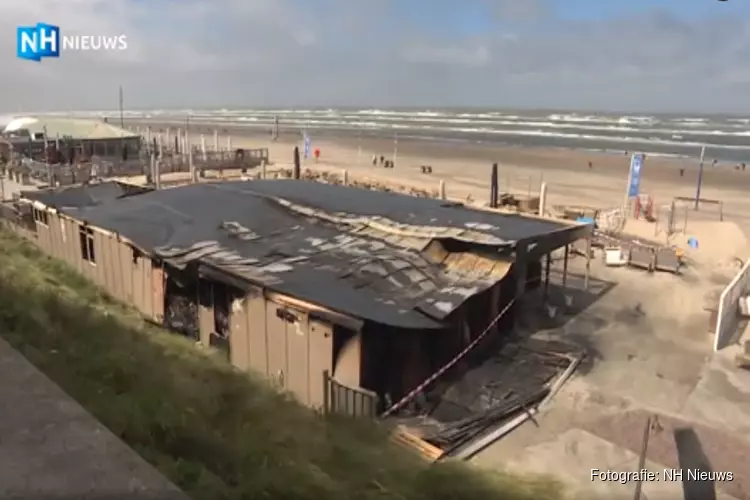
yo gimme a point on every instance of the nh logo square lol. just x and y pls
(36, 42)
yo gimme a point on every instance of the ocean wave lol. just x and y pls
(393, 120)
(563, 118)
(405, 126)
(728, 136)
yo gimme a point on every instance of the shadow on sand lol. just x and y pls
(691, 456)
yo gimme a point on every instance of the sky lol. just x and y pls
(624, 55)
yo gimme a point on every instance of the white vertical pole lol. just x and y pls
(543, 199)
(395, 148)
(626, 210)
(359, 142)
(191, 165)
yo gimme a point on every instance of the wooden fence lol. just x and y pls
(349, 401)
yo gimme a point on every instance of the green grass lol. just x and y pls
(214, 432)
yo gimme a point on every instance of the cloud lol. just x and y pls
(448, 55)
(193, 53)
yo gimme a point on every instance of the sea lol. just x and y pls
(726, 139)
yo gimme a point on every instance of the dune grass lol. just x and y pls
(216, 433)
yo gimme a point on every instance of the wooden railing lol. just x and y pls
(349, 401)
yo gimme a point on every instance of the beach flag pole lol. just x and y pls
(700, 178)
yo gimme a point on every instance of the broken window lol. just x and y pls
(86, 235)
(181, 304)
(41, 216)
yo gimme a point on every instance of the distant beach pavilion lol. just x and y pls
(29, 135)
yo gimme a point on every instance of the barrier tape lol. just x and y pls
(400, 404)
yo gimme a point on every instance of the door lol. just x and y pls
(321, 359)
(298, 362)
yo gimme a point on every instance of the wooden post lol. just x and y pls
(326, 392)
(588, 264)
(191, 165)
(493, 187)
(345, 177)
(543, 199)
(296, 172)
(565, 266)
(203, 147)
(521, 274)
(157, 174)
(442, 190)
(263, 169)
(216, 140)
(546, 275)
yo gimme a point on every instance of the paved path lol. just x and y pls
(50, 447)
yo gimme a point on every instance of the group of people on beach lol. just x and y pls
(383, 162)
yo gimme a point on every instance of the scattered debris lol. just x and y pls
(402, 436)
(500, 393)
(457, 434)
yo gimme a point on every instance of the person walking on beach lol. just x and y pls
(374, 160)
(317, 154)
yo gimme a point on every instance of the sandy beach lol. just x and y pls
(573, 177)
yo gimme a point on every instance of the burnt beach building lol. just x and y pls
(309, 284)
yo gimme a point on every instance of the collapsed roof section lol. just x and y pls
(384, 257)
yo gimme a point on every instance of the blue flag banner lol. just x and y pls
(307, 146)
(636, 165)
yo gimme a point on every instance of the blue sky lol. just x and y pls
(661, 55)
(592, 10)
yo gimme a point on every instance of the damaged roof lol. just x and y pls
(84, 195)
(369, 254)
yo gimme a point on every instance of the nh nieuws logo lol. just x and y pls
(35, 43)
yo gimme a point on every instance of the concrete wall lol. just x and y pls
(728, 313)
